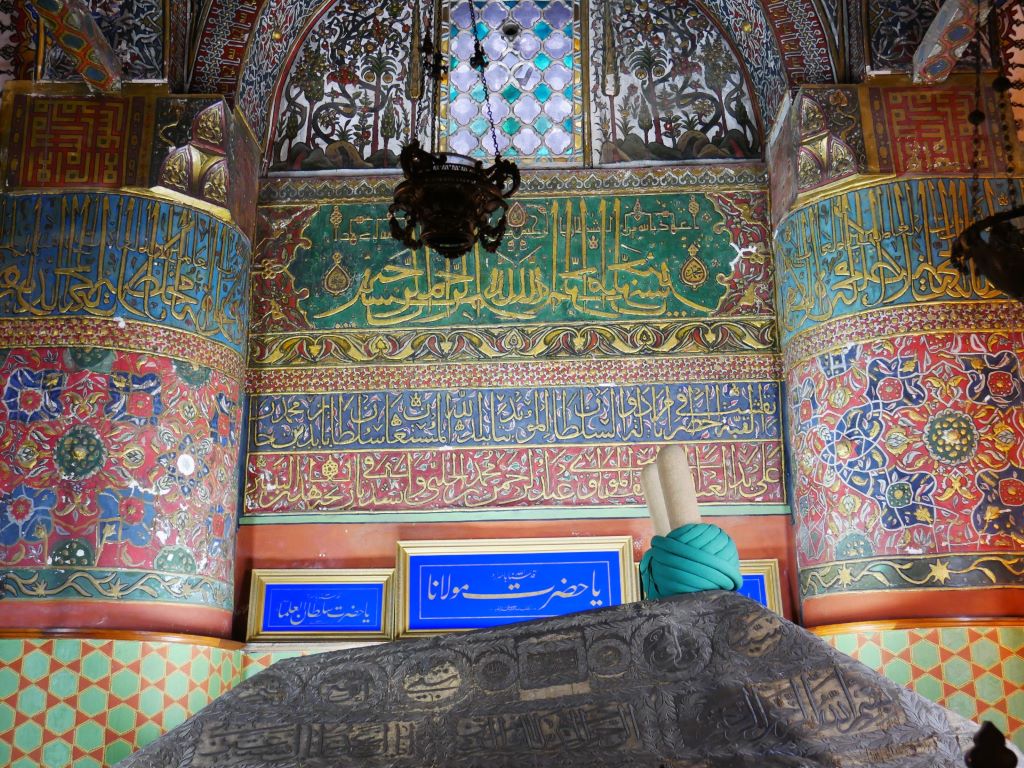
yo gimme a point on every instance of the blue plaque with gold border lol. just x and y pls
(321, 604)
(761, 583)
(449, 586)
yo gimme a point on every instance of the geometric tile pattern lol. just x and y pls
(255, 662)
(535, 79)
(976, 671)
(65, 142)
(90, 703)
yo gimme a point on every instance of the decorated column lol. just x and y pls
(123, 319)
(904, 382)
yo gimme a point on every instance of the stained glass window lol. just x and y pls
(533, 77)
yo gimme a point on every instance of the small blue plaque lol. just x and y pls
(315, 607)
(755, 587)
(761, 583)
(321, 604)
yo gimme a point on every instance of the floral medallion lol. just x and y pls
(91, 358)
(951, 437)
(73, 553)
(193, 375)
(80, 453)
(175, 560)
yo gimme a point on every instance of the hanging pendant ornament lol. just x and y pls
(993, 246)
(449, 202)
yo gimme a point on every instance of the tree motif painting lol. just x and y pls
(668, 85)
(346, 101)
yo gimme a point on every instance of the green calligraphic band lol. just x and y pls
(692, 558)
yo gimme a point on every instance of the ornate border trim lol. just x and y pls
(113, 584)
(122, 335)
(565, 341)
(766, 367)
(505, 514)
(120, 635)
(964, 571)
(310, 188)
(862, 627)
(933, 318)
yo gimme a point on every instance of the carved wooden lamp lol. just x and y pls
(449, 202)
(994, 245)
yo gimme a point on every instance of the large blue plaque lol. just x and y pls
(479, 584)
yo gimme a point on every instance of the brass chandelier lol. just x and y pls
(994, 245)
(447, 201)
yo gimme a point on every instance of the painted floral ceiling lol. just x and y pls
(663, 83)
(332, 84)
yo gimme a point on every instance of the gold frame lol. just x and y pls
(768, 568)
(263, 576)
(628, 574)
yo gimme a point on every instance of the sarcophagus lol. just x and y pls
(710, 679)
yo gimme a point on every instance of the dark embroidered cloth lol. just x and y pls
(702, 680)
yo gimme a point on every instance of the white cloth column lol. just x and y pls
(651, 485)
(680, 495)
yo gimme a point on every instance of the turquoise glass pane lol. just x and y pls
(479, 126)
(511, 93)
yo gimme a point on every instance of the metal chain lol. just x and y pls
(435, 70)
(479, 62)
(976, 118)
(1003, 85)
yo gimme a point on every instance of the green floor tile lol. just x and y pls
(985, 653)
(28, 737)
(57, 754)
(32, 700)
(35, 666)
(990, 688)
(124, 684)
(89, 736)
(956, 672)
(92, 701)
(122, 719)
(925, 655)
(96, 666)
(63, 683)
(126, 651)
(117, 751)
(11, 650)
(67, 650)
(60, 718)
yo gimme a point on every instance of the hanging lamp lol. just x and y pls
(447, 201)
(994, 245)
